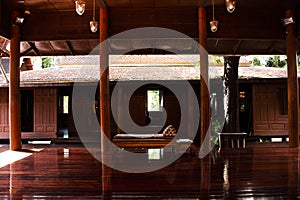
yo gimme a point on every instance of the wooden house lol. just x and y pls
(45, 92)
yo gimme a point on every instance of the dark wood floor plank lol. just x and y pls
(71, 172)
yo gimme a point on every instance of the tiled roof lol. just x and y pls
(91, 73)
(130, 60)
(135, 67)
(253, 72)
(153, 60)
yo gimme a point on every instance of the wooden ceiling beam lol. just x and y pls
(217, 42)
(57, 26)
(271, 47)
(236, 46)
(26, 51)
(53, 26)
(3, 53)
(36, 51)
(70, 47)
(247, 23)
(260, 25)
(51, 46)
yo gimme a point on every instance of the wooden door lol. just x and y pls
(270, 109)
(45, 112)
(4, 121)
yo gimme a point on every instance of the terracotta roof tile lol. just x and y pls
(90, 73)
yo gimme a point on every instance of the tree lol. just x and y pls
(231, 64)
(47, 62)
(275, 62)
(256, 62)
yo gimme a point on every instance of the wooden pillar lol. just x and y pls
(293, 93)
(204, 102)
(14, 90)
(204, 95)
(104, 79)
(293, 173)
(104, 102)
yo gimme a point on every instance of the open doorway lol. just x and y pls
(154, 107)
(245, 104)
(64, 99)
(27, 111)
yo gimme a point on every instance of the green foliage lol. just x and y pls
(275, 62)
(218, 61)
(216, 128)
(256, 62)
(153, 100)
(47, 62)
(214, 60)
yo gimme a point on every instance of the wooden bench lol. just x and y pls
(233, 140)
(139, 142)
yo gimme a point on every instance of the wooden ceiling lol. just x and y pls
(53, 27)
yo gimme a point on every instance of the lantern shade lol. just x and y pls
(230, 5)
(80, 6)
(94, 26)
(214, 25)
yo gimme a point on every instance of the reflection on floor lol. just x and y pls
(9, 157)
(68, 171)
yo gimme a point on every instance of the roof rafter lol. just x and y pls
(70, 47)
(33, 47)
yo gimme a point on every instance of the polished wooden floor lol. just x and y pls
(70, 172)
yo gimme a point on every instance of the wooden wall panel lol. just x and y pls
(268, 119)
(45, 111)
(4, 122)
